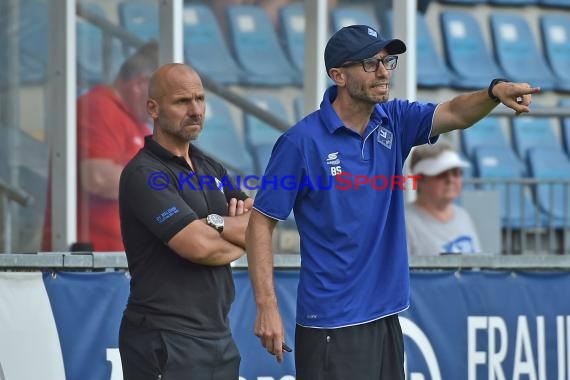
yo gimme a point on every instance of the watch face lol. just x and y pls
(216, 220)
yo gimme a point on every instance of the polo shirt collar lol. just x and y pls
(161, 152)
(329, 116)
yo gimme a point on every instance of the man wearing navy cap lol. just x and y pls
(354, 276)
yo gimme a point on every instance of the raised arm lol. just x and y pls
(465, 110)
(268, 323)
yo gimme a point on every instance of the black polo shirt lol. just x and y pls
(159, 195)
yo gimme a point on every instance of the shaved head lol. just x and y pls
(167, 77)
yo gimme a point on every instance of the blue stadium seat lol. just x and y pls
(486, 132)
(344, 16)
(517, 53)
(565, 102)
(434, 74)
(517, 208)
(463, 2)
(260, 137)
(257, 49)
(220, 138)
(532, 132)
(512, 2)
(554, 3)
(90, 59)
(466, 51)
(554, 200)
(292, 23)
(139, 18)
(205, 47)
(555, 32)
(32, 41)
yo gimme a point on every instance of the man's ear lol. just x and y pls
(152, 108)
(337, 76)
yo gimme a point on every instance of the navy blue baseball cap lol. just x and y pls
(358, 42)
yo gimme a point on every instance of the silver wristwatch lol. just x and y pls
(215, 221)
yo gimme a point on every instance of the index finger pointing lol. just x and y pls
(530, 90)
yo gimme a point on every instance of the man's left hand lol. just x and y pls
(516, 96)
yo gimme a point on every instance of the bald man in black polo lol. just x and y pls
(183, 223)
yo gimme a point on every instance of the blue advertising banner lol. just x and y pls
(488, 325)
(461, 325)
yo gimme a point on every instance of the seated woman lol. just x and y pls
(434, 224)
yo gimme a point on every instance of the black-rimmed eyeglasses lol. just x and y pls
(370, 65)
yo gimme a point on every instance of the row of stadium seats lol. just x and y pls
(543, 202)
(468, 62)
(256, 55)
(537, 148)
(544, 3)
(261, 60)
(526, 132)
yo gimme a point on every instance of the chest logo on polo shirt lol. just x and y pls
(334, 163)
(219, 184)
(385, 137)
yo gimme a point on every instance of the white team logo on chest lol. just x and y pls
(385, 137)
(334, 163)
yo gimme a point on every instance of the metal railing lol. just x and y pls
(532, 224)
(106, 261)
(10, 194)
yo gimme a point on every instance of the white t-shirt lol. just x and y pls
(428, 236)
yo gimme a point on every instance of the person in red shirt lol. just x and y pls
(111, 124)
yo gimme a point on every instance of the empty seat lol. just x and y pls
(555, 32)
(463, 2)
(259, 136)
(90, 51)
(292, 22)
(512, 2)
(139, 18)
(532, 132)
(221, 140)
(434, 74)
(466, 51)
(555, 3)
(486, 132)
(205, 47)
(553, 199)
(31, 36)
(516, 51)
(517, 208)
(257, 49)
(345, 16)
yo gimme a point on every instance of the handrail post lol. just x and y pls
(7, 219)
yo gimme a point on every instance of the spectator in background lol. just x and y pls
(434, 224)
(111, 124)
